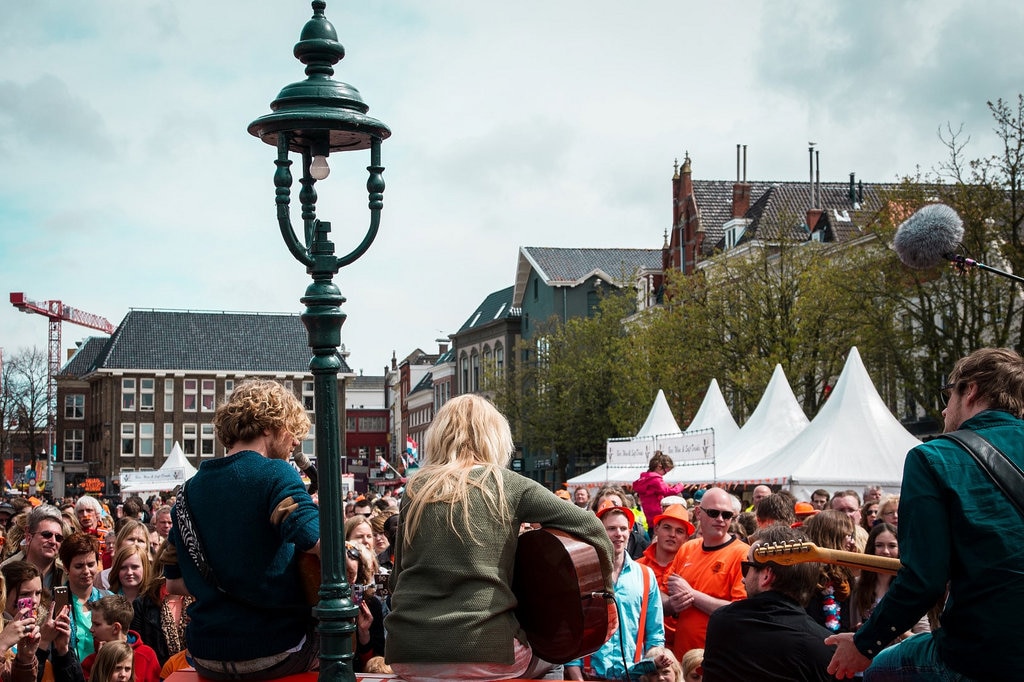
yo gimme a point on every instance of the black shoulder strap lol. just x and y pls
(189, 532)
(1007, 476)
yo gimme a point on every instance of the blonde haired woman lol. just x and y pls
(455, 549)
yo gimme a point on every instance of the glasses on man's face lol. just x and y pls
(715, 513)
(760, 566)
(50, 535)
(945, 391)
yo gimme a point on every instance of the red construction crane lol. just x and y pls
(56, 312)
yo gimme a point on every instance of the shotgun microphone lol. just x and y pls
(929, 236)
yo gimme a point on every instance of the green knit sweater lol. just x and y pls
(452, 600)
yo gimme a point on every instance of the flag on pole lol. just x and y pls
(412, 447)
(383, 463)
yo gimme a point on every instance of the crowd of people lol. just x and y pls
(79, 575)
(190, 581)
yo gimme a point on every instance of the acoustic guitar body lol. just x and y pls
(558, 583)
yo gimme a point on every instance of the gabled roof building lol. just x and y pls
(125, 400)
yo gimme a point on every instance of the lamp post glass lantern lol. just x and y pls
(314, 118)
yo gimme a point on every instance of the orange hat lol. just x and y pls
(564, 494)
(675, 512)
(804, 509)
(607, 506)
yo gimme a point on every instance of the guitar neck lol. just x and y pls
(867, 562)
(804, 552)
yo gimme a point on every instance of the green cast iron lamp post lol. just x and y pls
(314, 118)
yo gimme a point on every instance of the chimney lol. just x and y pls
(740, 190)
(813, 216)
(442, 346)
(853, 191)
(817, 178)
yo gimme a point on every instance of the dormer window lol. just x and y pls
(734, 230)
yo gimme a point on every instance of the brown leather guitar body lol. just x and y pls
(791, 553)
(560, 589)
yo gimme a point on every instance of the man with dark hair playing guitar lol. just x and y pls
(959, 528)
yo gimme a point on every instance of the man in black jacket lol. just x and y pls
(768, 635)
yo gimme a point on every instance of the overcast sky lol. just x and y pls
(128, 179)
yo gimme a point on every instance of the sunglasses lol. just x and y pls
(945, 391)
(715, 513)
(49, 534)
(747, 565)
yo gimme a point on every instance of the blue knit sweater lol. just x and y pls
(252, 555)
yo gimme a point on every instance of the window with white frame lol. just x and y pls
(350, 424)
(168, 395)
(307, 396)
(229, 386)
(208, 440)
(309, 443)
(189, 439)
(127, 394)
(476, 371)
(74, 406)
(147, 389)
(464, 374)
(499, 361)
(209, 387)
(168, 438)
(74, 445)
(190, 401)
(146, 434)
(371, 424)
(127, 440)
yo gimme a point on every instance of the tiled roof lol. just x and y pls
(778, 206)
(364, 382)
(496, 306)
(209, 342)
(82, 362)
(570, 267)
(447, 356)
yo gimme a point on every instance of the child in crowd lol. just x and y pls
(114, 662)
(693, 665)
(659, 665)
(111, 617)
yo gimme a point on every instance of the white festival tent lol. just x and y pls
(777, 419)
(175, 471)
(713, 415)
(659, 422)
(854, 441)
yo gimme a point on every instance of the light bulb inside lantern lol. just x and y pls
(319, 168)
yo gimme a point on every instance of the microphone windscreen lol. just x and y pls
(926, 237)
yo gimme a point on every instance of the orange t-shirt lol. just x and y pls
(716, 572)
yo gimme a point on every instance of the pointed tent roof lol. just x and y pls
(714, 414)
(177, 460)
(659, 420)
(854, 440)
(777, 419)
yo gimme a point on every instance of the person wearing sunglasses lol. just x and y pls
(44, 532)
(957, 528)
(769, 635)
(706, 573)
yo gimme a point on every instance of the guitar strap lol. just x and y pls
(1007, 476)
(643, 615)
(193, 542)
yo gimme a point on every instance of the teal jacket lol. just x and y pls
(956, 527)
(253, 515)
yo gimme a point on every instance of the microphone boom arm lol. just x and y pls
(963, 264)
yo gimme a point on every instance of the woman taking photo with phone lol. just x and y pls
(80, 553)
(19, 638)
